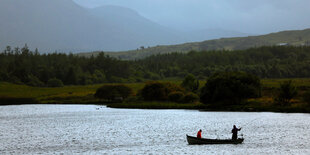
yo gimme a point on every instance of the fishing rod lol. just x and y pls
(250, 122)
(244, 125)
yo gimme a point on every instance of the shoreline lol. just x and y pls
(184, 107)
(12, 94)
(274, 109)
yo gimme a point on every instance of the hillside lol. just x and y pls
(296, 37)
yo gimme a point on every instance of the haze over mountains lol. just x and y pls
(249, 16)
(62, 25)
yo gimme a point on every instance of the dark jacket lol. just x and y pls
(234, 132)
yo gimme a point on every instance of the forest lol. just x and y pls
(23, 66)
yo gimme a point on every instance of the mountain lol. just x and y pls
(294, 37)
(47, 25)
(65, 26)
(145, 31)
(121, 16)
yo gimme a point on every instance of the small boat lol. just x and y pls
(199, 141)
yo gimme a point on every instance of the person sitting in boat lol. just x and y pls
(234, 132)
(199, 133)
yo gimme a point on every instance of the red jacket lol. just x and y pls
(199, 134)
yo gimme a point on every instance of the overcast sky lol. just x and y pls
(249, 16)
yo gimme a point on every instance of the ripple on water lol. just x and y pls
(85, 129)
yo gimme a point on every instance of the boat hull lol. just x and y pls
(200, 141)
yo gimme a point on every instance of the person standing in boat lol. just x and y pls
(234, 132)
(199, 133)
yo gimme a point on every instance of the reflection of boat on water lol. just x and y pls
(199, 141)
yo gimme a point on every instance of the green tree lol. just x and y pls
(71, 77)
(190, 83)
(25, 50)
(99, 77)
(230, 88)
(159, 91)
(286, 92)
(43, 73)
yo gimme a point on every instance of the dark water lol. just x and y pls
(82, 129)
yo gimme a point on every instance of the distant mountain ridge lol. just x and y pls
(293, 37)
(146, 32)
(64, 26)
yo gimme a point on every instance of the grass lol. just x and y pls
(21, 94)
(275, 83)
(69, 94)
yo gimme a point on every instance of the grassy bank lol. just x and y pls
(21, 94)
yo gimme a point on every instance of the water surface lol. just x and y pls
(90, 129)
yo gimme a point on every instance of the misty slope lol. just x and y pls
(65, 26)
(209, 34)
(147, 32)
(121, 16)
(297, 37)
(44, 24)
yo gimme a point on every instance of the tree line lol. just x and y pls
(265, 62)
(23, 66)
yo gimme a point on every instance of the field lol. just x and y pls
(21, 94)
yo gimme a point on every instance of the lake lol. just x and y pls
(91, 129)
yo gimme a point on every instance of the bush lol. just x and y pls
(230, 88)
(113, 93)
(54, 83)
(132, 99)
(159, 91)
(190, 98)
(176, 96)
(34, 81)
(287, 92)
